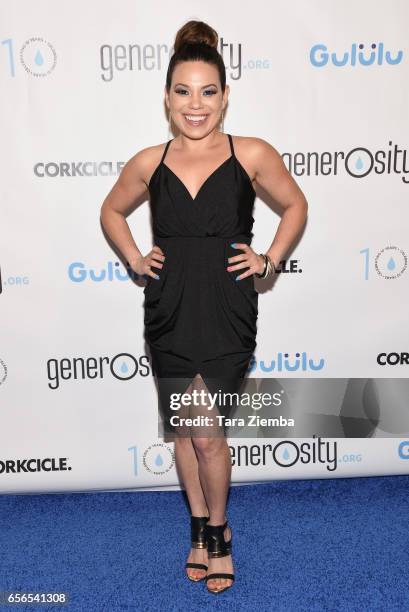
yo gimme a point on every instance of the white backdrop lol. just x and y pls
(82, 92)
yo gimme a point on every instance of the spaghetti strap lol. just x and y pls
(166, 150)
(231, 145)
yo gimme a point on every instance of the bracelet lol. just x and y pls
(269, 267)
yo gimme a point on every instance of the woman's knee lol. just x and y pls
(208, 446)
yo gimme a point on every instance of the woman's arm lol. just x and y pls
(272, 175)
(131, 185)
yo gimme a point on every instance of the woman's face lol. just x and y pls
(195, 98)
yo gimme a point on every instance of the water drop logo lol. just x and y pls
(286, 453)
(158, 459)
(391, 262)
(359, 162)
(124, 366)
(38, 57)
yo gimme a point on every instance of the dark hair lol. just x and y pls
(196, 41)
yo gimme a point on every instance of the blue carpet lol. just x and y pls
(303, 545)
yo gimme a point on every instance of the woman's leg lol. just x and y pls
(214, 470)
(188, 471)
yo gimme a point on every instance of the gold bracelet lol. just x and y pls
(269, 267)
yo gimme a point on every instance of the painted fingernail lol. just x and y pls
(157, 276)
(233, 244)
(238, 277)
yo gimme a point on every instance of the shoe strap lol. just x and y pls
(219, 575)
(197, 531)
(216, 544)
(196, 565)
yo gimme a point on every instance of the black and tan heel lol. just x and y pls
(218, 547)
(198, 540)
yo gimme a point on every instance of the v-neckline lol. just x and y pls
(202, 186)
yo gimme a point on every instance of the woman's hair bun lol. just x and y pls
(194, 32)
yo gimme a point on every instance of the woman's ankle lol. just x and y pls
(202, 512)
(216, 522)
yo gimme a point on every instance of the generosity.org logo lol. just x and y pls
(357, 55)
(358, 162)
(286, 362)
(123, 366)
(18, 466)
(286, 453)
(155, 56)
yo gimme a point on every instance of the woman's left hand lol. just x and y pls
(249, 259)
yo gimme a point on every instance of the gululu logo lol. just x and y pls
(158, 459)
(79, 273)
(320, 56)
(37, 56)
(358, 162)
(285, 363)
(390, 262)
(123, 366)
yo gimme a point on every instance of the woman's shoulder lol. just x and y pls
(149, 154)
(256, 151)
(146, 160)
(252, 144)
(253, 151)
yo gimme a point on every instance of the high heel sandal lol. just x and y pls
(218, 547)
(198, 540)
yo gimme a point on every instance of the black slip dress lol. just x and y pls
(198, 319)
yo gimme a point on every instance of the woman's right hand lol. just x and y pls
(143, 264)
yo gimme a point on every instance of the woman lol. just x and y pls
(200, 301)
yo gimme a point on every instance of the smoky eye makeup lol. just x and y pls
(207, 92)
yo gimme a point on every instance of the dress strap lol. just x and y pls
(231, 145)
(166, 150)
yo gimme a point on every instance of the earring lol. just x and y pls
(169, 125)
(222, 121)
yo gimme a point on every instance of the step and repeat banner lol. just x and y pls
(83, 91)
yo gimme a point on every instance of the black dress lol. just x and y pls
(198, 318)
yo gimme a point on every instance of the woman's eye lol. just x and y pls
(207, 91)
